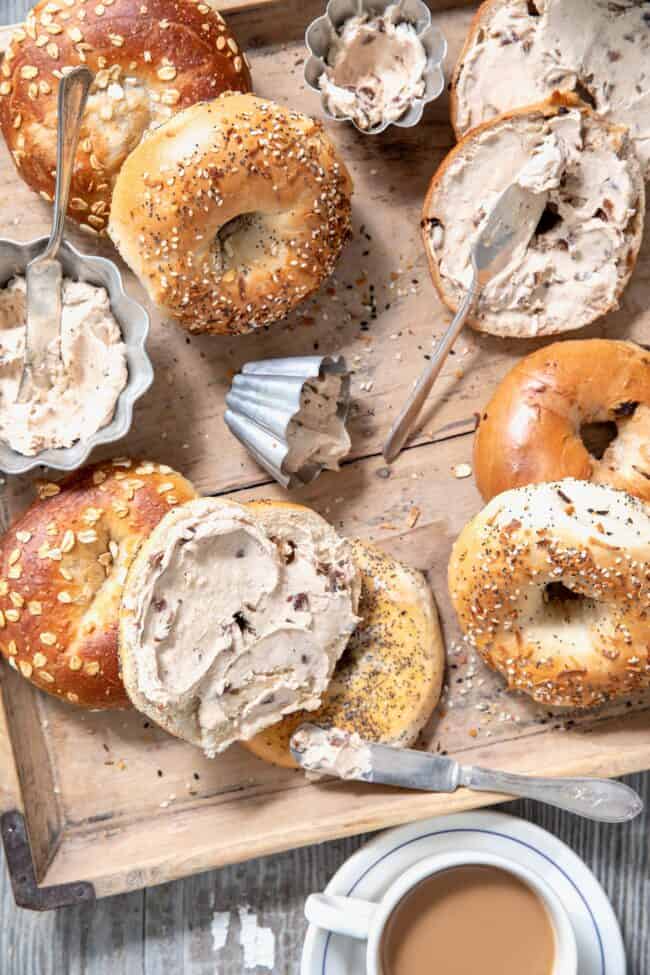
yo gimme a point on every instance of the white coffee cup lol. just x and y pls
(366, 920)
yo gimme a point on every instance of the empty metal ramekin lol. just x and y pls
(322, 31)
(134, 325)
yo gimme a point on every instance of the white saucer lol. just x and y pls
(370, 871)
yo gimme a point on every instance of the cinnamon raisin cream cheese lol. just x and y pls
(520, 51)
(231, 619)
(375, 69)
(316, 434)
(584, 220)
(88, 375)
(332, 751)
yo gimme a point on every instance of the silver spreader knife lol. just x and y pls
(334, 752)
(44, 274)
(509, 226)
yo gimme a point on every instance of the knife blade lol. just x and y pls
(333, 751)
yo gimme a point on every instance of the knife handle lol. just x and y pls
(603, 800)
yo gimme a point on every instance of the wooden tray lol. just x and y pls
(110, 800)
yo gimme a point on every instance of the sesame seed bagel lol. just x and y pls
(149, 58)
(532, 428)
(62, 569)
(388, 681)
(232, 212)
(551, 584)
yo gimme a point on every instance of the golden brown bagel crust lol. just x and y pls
(556, 104)
(62, 570)
(179, 52)
(208, 165)
(477, 20)
(388, 681)
(506, 571)
(530, 429)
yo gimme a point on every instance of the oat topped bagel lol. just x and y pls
(232, 212)
(551, 584)
(63, 565)
(539, 421)
(520, 51)
(150, 59)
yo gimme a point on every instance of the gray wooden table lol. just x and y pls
(175, 928)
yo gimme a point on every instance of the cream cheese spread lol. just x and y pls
(375, 69)
(237, 620)
(580, 246)
(88, 375)
(316, 434)
(523, 50)
(332, 751)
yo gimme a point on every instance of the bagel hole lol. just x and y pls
(585, 94)
(243, 241)
(557, 592)
(597, 436)
(549, 219)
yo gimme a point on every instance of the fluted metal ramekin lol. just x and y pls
(322, 31)
(264, 398)
(134, 325)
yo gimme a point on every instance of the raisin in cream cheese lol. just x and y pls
(375, 69)
(88, 370)
(584, 220)
(233, 618)
(520, 51)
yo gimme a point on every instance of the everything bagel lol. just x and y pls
(533, 427)
(551, 584)
(232, 212)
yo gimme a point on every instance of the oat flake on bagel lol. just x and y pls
(551, 584)
(150, 59)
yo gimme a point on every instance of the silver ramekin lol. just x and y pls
(134, 325)
(265, 396)
(321, 32)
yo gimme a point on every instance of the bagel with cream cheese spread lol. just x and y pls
(388, 681)
(584, 223)
(519, 52)
(233, 617)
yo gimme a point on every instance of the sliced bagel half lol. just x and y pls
(389, 679)
(584, 185)
(518, 52)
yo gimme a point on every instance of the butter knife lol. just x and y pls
(44, 274)
(340, 753)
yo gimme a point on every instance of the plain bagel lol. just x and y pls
(232, 212)
(551, 584)
(388, 681)
(518, 52)
(149, 60)
(587, 197)
(63, 564)
(533, 427)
